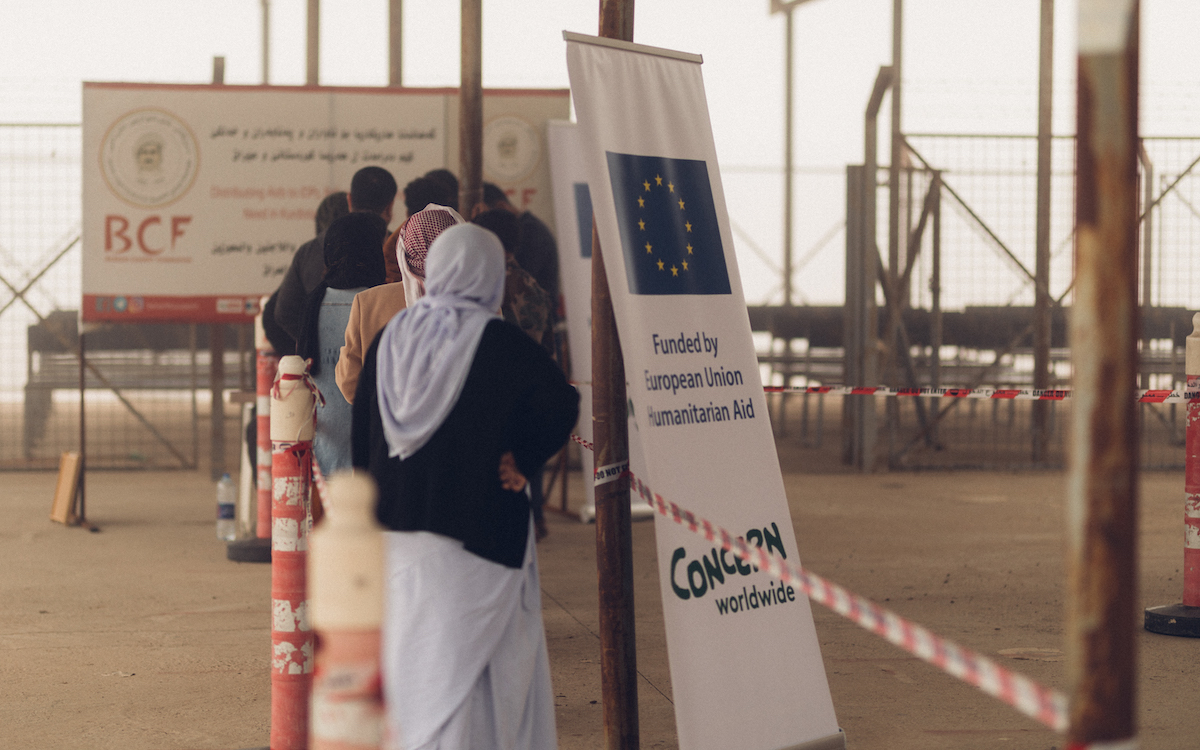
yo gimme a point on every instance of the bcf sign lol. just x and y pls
(153, 235)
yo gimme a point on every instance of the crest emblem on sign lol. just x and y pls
(149, 158)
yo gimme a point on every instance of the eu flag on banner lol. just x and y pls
(583, 216)
(668, 224)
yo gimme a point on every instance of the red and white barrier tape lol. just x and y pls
(1000, 394)
(997, 394)
(1044, 704)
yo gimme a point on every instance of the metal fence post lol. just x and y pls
(867, 336)
(1042, 301)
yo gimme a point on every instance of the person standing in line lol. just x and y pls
(447, 184)
(537, 251)
(372, 191)
(333, 207)
(527, 306)
(373, 308)
(454, 407)
(353, 263)
(418, 194)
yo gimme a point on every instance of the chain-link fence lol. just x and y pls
(148, 391)
(147, 385)
(978, 255)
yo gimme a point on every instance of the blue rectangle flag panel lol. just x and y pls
(583, 216)
(668, 225)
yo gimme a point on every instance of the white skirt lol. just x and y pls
(464, 649)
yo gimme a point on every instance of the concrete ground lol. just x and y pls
(144, 636)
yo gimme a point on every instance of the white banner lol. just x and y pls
(746, 668)
(196, 197)
(573, 216)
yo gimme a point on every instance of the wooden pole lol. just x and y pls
(216, 356)
(395, 42)
(614, 535)
(313, 44)
(216, 350)
(266, 42)
(470, 109)
(1102, 479)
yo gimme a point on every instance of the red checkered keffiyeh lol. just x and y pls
(419, 232)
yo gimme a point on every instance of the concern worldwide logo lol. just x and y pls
(149, 158)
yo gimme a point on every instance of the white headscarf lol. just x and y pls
(426, 350)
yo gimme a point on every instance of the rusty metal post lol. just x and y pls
(1102, 480)
(313, 44)
(470, 109)
(610, 431)
(395, 42)
(1041, 298)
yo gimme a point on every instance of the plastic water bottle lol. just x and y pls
(226, 504)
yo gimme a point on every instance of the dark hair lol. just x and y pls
(421, 192)
(493, 196)
(353, 258)
(504, 225)
(281, 341)
(353, 251)
(332, 208)
(372, 189)
(449, 183)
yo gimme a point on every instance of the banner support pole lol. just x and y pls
(614, 532)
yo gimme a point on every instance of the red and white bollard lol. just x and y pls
(345, 581)
(293, 408)
(265, 366)
(1184, 619)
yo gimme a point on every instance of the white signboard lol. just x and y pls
(746, 668)
(573, 216)
(196, 197)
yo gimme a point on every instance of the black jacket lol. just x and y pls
(514, 399)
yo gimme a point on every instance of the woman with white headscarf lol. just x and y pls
(447, 391)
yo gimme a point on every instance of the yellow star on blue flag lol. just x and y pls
(668, 225)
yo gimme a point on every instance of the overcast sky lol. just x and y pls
(970, 66)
